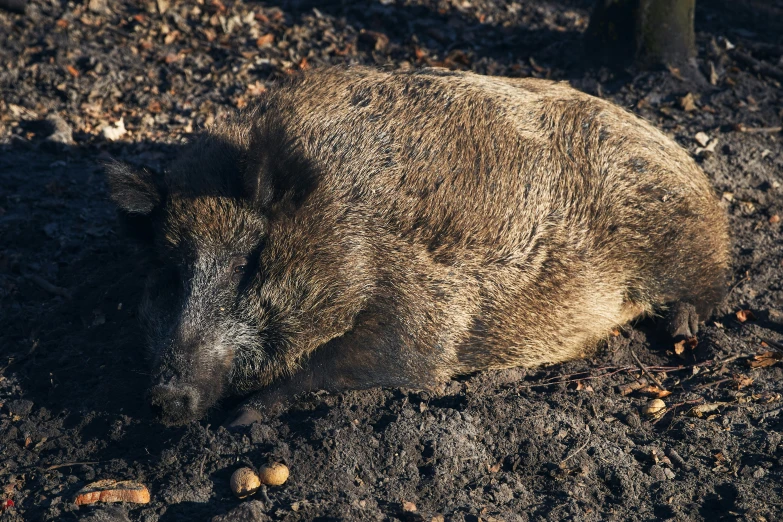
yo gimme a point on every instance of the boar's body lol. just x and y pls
(401, 228)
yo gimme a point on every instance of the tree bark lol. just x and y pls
(648, 33)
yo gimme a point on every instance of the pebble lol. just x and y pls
(61, 132)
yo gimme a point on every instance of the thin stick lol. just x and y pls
(49, 287)
(734, 287)
(67, 464)
(644, 370)
(711, 384)
(580, 448)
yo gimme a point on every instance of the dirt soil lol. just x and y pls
(565, 442)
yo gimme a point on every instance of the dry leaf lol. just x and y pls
(688, 102)
(581, 386)
(774, 219)
(690, 343)
(765, 359)
(654, 391)
(410, 507)
(265, 40)
(254, 89)
(72, 71)
(701, 409)
(745, 315)
(742, 381)
(494, 468)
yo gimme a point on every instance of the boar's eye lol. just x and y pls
(238, 268)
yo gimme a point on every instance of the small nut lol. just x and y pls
(244, 482)
(274, 474)
(654, 407)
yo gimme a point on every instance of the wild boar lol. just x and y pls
(360, 228)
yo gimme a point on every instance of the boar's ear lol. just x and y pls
(276, 171)
(133, 190)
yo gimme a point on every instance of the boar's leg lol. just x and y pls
(374, 354)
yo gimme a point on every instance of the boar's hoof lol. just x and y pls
(682, 321)
(245, 417)
(174, 404)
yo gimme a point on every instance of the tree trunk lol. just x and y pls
(648, 33)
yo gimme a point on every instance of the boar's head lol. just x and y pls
(247, 270)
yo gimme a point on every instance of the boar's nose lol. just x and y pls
(174, 404)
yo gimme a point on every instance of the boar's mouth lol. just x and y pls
(176, 404)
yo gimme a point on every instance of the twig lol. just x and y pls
(774, 344)
(734, 287)
(67, 464)
(201, 468)
(757, 130)
(566, 381)
(644, 370)
(49, 287)
(711, 384)
(758, 66)
(579, 449)
(619, 369)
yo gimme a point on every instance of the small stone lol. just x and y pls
(115, 131)
(61, 131)
(99, 6)
(702, 138)
(657, 472)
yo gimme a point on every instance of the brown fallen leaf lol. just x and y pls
(72, 71)
(745, 315)
(265, 40)
(581, 386)
(409, 506)
(765, 359)
(775, 218)
(742, 381)
(654, 392)
(680, 346)
(108, 490)
(701, 409)
(688, 102)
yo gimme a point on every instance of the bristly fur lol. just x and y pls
(401, 228)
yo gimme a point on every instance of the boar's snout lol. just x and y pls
(174, 404)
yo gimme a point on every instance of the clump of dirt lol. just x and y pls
(563, 442)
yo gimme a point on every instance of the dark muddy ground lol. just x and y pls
(562, 442)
